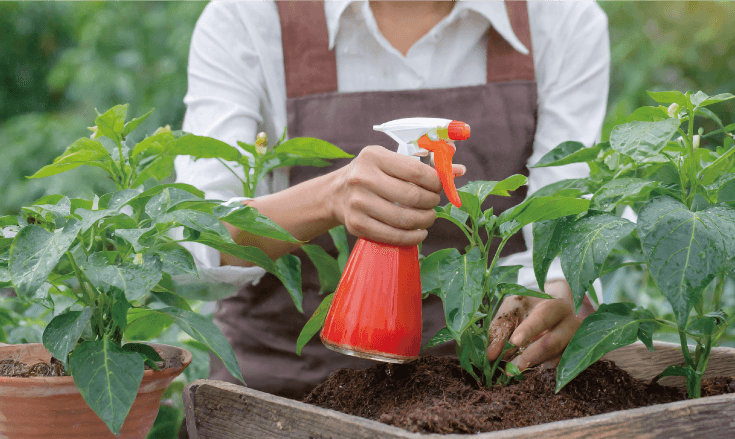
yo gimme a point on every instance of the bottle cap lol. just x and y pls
(458, 130)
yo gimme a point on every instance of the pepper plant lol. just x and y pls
(111, 254)
(472, 285)
(679, 181)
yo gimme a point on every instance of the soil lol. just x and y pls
(13, 368)
(435, 395)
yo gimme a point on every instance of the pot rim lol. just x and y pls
(149, 374)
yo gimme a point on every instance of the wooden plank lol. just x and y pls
(216, 409)
(643, 364)
(220, 410)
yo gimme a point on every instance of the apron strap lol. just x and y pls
(311, 68)
(504, 63)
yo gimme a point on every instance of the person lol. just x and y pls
(525, 76)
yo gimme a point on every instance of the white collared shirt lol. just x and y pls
(237, 86)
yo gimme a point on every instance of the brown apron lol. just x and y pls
(261, 321)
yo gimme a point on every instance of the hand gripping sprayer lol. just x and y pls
(376, 310)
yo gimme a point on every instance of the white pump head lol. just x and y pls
(408, 131)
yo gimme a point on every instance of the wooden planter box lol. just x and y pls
(215, 409)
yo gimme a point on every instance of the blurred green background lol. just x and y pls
(60, 61)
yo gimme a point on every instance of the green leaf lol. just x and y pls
(315, 323)
(512, 289)
(108, 379)
(640, 140)
(649, 114)
(610, 327)
(176, 259)
(726, 193)
(430, 281)
(621, 191)
(704, 112)
(547, 242)
(339, 237)
(669, 97)
(119, 199)
(91, 217)
(289, 273)
(587, 244)
(327, 267)
(703, 326)
(309, 147)
(202, 329)
(483, 189)
(35, 252)
(149, 355)
(442, 336)
(112, 122)
(154, 145)
(200, 221)
(63, 332)
(201, 147)
(717, 168)
(451, 213)
(145, 324)
(701, 99)
(252, 254)
(538, 209)
(159, 169)
(143, 197)
(684, 250)
(503, 274)
(568, 152)
(134, 279)
(120, 307)
(249, 219)
(133, 124)
(461, 278)
(571, 188)
(166, 200)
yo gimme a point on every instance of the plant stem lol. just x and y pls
(616, 267)
(685, 349)
(233, 173)
(80, 277)
(719, 287)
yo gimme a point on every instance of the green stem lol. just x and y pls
(696, 390)
(685, 349)
(719, 287)
(80, 277)
(233, 173)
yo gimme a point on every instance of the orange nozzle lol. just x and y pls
(458, 130)
(443, 153)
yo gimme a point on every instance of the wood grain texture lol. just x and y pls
(216, 409)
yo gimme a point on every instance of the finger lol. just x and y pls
(545, 315)
(394, 215)
(364, 226)
(549, 347)
(404, 168)
(458, 170)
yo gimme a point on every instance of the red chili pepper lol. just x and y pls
(443, 153)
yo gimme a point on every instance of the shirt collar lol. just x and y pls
(493, 11)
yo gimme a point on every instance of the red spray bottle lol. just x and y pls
(376, 310)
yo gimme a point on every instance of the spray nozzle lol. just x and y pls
(419, 136)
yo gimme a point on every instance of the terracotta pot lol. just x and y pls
(40, 407)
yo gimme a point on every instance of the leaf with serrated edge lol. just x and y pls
(108, 379)
(203, 330)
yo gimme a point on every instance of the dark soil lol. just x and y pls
(13, 368)
(435, 395)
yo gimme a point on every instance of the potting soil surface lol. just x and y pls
(14, 368)
(435, 395)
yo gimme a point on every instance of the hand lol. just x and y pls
(366, 192)
(541, 328)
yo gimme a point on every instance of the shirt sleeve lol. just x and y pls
(572, 59)
(223, 101)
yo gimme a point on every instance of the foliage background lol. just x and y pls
(59, 61)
